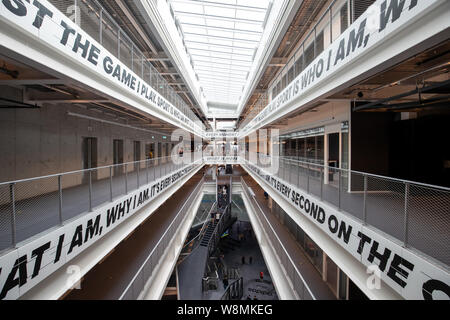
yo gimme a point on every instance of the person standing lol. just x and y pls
(250, 260)
(261, 276)
(243, 260)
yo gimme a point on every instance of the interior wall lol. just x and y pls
(333, 112)
(44, 141)
(420, 149)
(370, 140)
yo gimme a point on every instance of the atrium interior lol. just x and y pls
(224, 150)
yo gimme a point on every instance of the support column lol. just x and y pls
(325, 159)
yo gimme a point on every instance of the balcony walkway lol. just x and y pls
(428, 209)
(40, 212)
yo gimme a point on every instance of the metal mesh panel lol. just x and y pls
(385, 205)
(75, 194)
(142, 173)
(154, 78)
(90, 18)
(303, 176)
(6, 211)
(330, 191)
(37, 206)
(125, 50)
(66, 7)
(101, 191)
(147, 74)
(293, 173)
(137, 62)
(352, 201)
(428, 212)
(315, 180)
(110, 35)
(119, 180)
(151, 171)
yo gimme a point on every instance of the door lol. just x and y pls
(118, 156)
(89, 157)
(136, 153)
(333, 150)
(159, 150)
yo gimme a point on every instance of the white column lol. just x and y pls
(324, 267)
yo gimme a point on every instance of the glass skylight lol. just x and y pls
(221, 37)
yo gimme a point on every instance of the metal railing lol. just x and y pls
(31, 206)
(294, 276)
(235, 290)
(203, 217)
(215, 237)
(210, 282)
(98, 23)
(137, 284)
(416, 214)
(194, 242)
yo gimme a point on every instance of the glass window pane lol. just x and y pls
(320, 151)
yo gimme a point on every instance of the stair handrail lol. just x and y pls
(198, 236)
(226, 213)
(240, 286)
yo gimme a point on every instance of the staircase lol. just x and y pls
(208, 234)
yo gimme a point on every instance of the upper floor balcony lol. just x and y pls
(352, 40)
(82, 30)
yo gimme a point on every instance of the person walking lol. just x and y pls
(261, 276)
(243, 260)
(225, 281)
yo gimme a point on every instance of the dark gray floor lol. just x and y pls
(253, 286)
(190, 274)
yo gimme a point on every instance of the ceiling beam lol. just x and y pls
(223, 5)
(160, 56)
(194, 25)
(227, 59)
(168, 71)
(278, 62)
(25, 82)
(211, 16)
(220, 37)
(130, 17)
(68, 101)
(218, 45)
